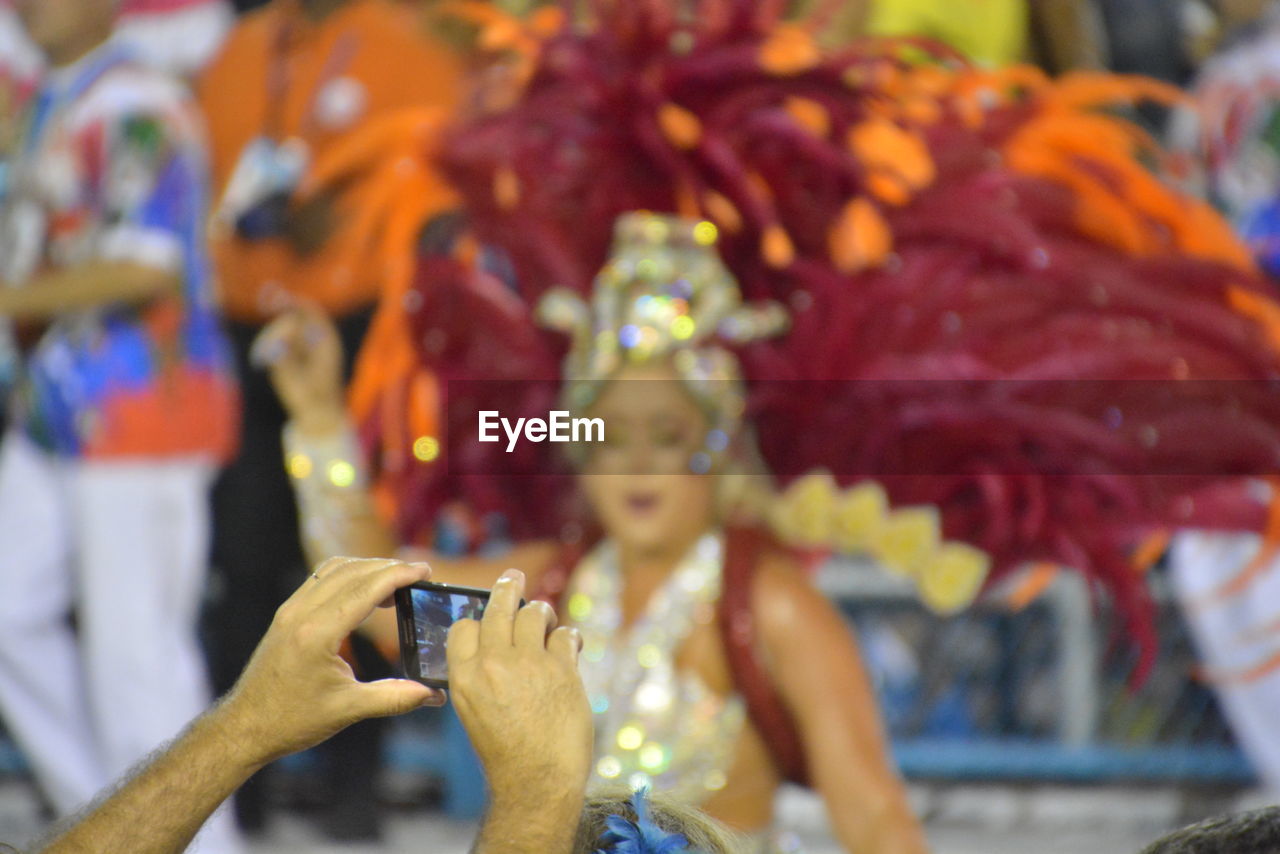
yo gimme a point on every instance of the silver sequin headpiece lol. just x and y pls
(664, 293)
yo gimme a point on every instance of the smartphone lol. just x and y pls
(425, 612)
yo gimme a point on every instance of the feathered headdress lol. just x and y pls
(927, 225)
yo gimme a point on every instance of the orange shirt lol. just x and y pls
(287, 76)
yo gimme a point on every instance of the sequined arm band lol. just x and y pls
(336, 514)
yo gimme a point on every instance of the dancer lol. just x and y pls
(909, 221)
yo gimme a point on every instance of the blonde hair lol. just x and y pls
(704, 834)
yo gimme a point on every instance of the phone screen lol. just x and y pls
(434, 611)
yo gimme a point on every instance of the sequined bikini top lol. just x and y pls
(655, 725)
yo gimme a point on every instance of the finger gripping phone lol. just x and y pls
(424, 612)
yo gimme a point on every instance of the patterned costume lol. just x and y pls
(1000, 320)
(114, 170)
(174, 35)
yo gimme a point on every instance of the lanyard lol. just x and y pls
(51, 98)
(278, 82)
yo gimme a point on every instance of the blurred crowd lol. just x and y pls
(154, 219)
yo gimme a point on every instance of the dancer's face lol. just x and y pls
(638, 481)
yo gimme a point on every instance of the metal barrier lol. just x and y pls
(1042, 694)
(1045, 693)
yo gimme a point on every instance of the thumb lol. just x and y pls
(388, 697)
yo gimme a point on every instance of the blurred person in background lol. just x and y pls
(293, 79)
(1227, 148)
(124, 406)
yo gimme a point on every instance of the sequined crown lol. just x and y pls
(663, 293)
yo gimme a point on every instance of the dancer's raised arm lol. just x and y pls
(337, 513)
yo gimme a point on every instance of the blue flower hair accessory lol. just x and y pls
(641, 836)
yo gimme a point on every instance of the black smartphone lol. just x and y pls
(425, 612)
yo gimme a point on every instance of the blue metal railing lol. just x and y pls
(1043, 694)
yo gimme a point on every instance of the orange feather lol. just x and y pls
(788, 50)
(776, 247)
(859, 238)
(681, 127)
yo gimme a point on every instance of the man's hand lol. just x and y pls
(297, 690)
(303, 354)
(515, 685)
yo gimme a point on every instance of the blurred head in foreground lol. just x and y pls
(1254, 832)
(614, 818)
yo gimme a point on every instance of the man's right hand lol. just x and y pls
(297, 690)
(514, 681)
(303, 354)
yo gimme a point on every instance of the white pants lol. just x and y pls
(1231, 636)
(123, 543)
